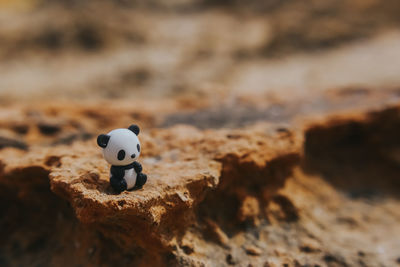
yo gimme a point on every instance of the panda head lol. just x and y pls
(120, 146)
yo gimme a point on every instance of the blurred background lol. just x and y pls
(82, 49)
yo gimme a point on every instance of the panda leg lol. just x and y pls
(118, 185)
(141, 179)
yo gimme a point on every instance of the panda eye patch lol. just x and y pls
(121, 154)
(138, 147)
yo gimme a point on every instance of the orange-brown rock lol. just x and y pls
(314, 190)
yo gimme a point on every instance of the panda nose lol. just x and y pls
(133, 156)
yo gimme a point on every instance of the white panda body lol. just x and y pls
(130, 178)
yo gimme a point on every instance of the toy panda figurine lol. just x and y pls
(121, 148)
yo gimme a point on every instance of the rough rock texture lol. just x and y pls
(298, 183)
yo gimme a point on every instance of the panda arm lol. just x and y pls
(117, 173)
(138, 167)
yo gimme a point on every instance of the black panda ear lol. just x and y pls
(134, 128)
(102, 140)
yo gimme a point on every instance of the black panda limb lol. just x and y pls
(137, 166)
(141, 179)
(118, 184)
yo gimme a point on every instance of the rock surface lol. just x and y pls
(298, 183)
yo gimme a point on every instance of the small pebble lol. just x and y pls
(230, 260)
(254, 251)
